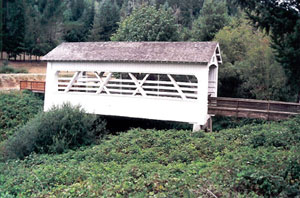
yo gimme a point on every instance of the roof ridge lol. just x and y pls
(181, 52)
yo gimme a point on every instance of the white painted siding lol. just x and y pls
(159, 108)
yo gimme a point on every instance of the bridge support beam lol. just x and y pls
(207, 127)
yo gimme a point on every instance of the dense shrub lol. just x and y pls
(222, 122)
(173, 163)
(16, 108)
(60, 128)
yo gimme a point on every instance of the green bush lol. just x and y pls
(6, 69)
(16, 108)
(55, 131)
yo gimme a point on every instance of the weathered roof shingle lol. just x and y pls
(181, 52)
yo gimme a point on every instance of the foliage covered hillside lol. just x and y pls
(16, 108)
(251, 161)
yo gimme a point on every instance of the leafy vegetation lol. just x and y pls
(251, 161)
(55, 131)
(105, 21)
(16, 108)
(213, 17)
(282, 20)
(148, 24)
(250, 69)
(257, 160)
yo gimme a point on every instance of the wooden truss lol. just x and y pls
(131, 84)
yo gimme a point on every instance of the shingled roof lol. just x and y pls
(179, 52)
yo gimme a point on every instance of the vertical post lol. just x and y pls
(51, 86)
(210, 125)
(268, 116)
(237, 109)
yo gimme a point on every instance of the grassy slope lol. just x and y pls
(246, 162)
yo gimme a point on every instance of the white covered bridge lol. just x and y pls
(152, 80)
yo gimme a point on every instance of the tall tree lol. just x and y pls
(105, 21)
(77, 21)
(43, 25)
(77, 8)
(282, 20)
(13, 27)
(213, 17)
(148, 24)
(184, 11)
(250, 69)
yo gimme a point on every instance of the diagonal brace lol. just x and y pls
(102, 82)
(176, 86)
(138, 85)
(74, 78)
(102, 86)
(141, 84)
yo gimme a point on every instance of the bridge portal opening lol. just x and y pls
(212, 81)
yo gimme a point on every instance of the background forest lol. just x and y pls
(260, 41)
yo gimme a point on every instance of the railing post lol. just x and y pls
(237, 109)
(268, 113)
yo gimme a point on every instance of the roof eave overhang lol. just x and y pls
(127, 61)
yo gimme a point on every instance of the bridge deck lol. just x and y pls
(249, 108)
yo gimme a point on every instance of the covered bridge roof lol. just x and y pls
(180, 52)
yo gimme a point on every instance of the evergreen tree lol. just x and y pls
(77, 8)
(105, 21)
(148, 24)
(14, 28)
(31, 27)
(213, 17)
(75, 28)
(45, 25)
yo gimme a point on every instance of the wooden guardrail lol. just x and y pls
(34, 86)
(249, 108)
